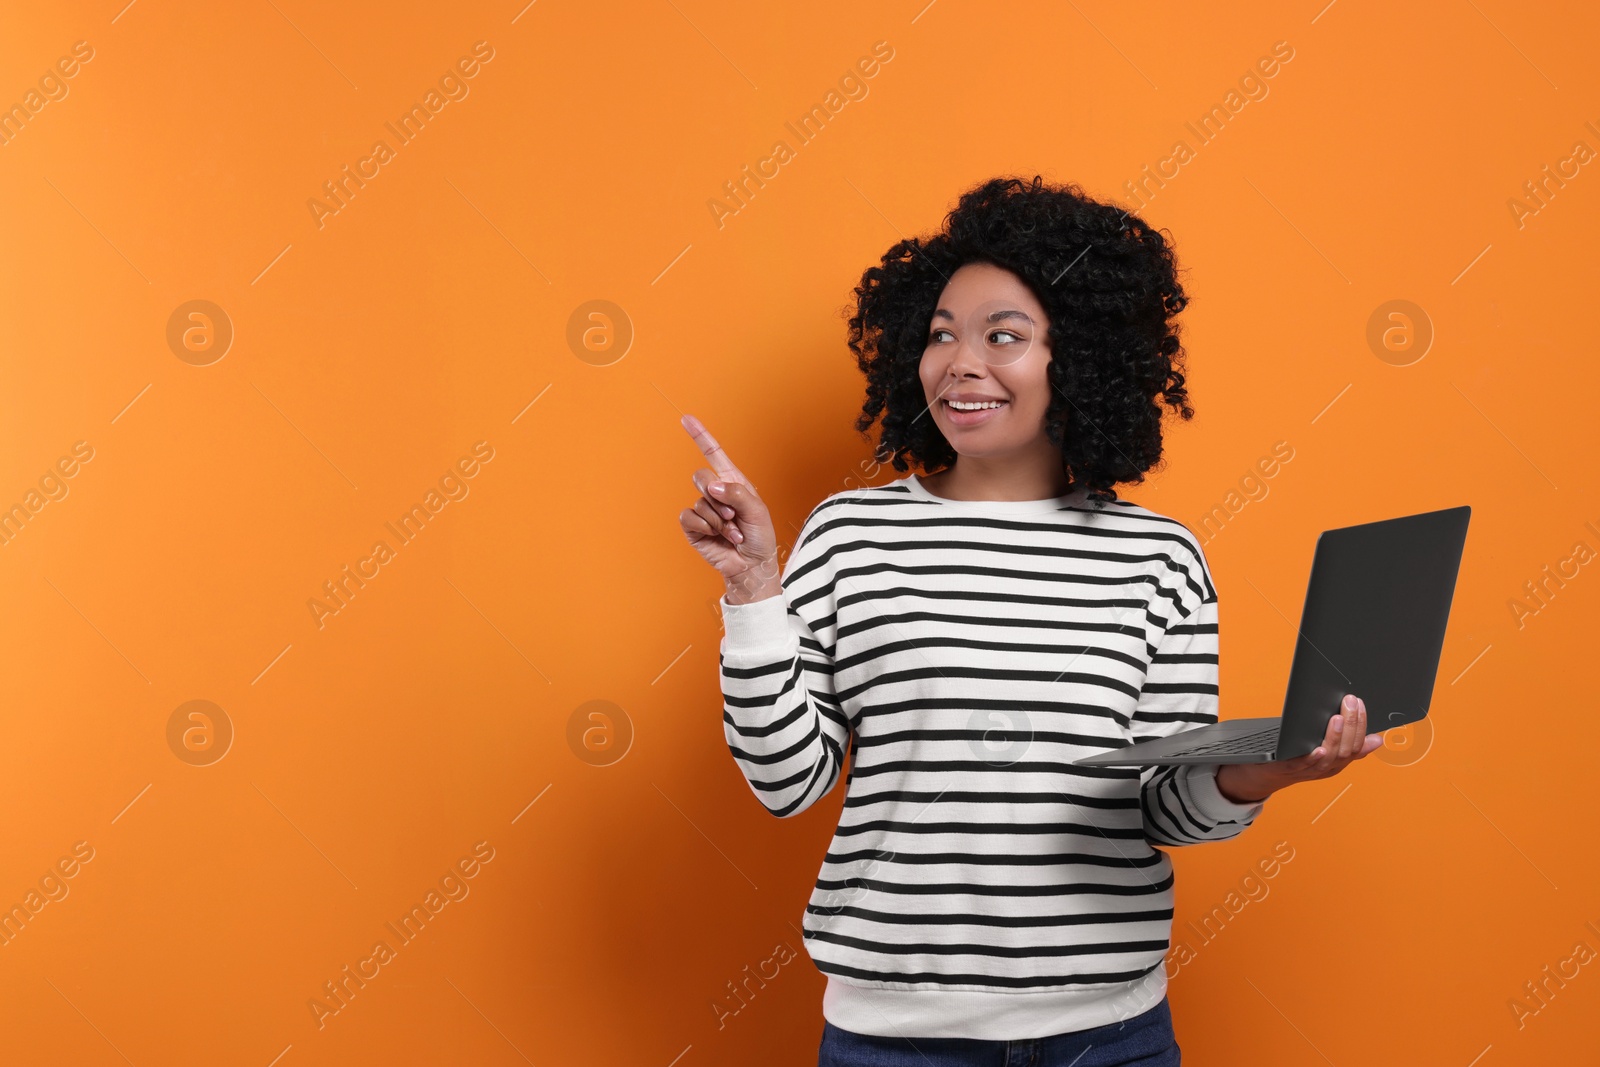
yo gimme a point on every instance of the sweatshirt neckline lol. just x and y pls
(996, 507)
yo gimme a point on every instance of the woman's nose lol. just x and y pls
(968, 356)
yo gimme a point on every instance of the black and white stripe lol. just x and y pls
(965, 652)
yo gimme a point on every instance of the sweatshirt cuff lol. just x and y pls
(1202, 779)
(758, 626)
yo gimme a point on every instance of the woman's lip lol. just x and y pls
(971, 418)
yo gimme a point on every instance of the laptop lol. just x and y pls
(1373, 625)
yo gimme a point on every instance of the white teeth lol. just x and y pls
(960, 406)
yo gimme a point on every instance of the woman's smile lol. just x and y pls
(962, 419)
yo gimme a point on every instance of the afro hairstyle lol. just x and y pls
(1106, 279)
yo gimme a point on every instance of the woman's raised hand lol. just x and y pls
(730, 526)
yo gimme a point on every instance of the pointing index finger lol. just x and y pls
(713, 451)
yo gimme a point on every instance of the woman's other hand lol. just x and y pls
(729, 524)
(1346, 740)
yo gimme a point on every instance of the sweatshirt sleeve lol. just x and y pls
(1181, 803)
(780, 715)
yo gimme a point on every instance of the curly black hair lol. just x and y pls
(1108, 282)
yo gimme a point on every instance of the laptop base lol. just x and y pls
(1232, 741)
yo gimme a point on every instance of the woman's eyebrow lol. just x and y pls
(1010, 313)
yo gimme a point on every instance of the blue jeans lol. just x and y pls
(1146, 1040)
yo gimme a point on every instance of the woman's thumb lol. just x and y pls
(738, 496)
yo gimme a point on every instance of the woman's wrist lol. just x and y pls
(759, 581)
(741, 593)
(1238, 783)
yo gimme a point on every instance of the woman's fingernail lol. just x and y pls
(716, 487)
(1338, 724)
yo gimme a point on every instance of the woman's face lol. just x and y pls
(989, 341)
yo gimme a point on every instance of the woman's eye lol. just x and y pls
(935, 335)
(1005, 333)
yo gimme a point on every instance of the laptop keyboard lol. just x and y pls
(1260, 741)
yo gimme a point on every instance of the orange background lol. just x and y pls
(446, 704)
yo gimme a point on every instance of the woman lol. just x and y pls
(968, 633)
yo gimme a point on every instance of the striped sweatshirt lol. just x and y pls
(965, 653)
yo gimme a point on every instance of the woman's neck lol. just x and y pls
(973, 478)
